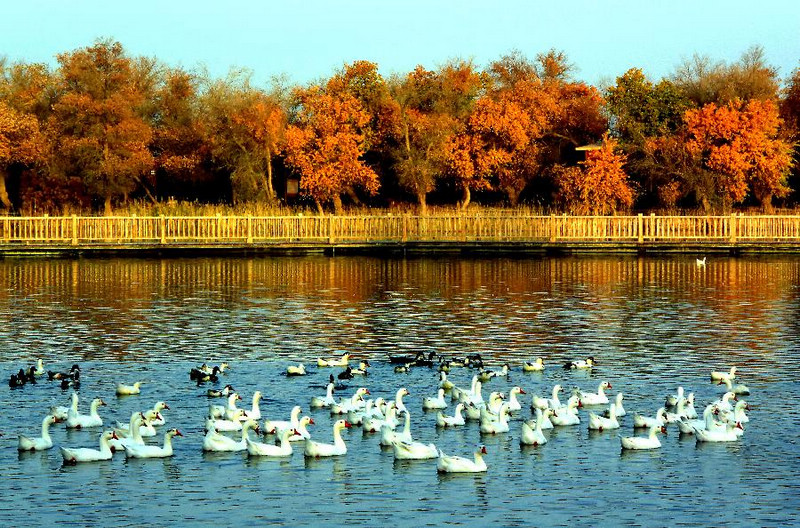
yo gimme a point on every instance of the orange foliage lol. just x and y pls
(325, 145)
(600, 186)
(20, 140)
(739, 143)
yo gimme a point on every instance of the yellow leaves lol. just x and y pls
(20, 139)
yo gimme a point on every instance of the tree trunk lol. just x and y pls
(422, 202)
(513, 196)
(466, 196)
(4, 199)
(108, 205)
(337, 204)
(267, 181)
(766, 203)
(320, 210)
(351, 193)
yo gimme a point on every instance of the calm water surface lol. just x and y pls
(653, 324)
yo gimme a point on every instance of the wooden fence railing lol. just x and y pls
(242, 230)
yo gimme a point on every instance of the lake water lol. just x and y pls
(653, 324)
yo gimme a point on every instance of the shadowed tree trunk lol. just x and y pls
(4, 199)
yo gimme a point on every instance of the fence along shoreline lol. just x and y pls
(734, 233)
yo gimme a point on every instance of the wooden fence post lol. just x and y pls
(405, 228)
(249, 229)
(74, 230)
(162, 224)
(733, 228)
(640, 228)
(553, 230)
(331, 237)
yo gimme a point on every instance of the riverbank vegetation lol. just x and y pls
(104, 131)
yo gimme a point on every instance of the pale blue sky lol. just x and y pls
(308, 39)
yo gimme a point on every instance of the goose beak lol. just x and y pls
(483, 450)
(521, 391)
(347, 424)
(167, 408)
(114, 435)
(178, 433)
(311, 422)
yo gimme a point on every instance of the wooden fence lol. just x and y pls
(133, 231)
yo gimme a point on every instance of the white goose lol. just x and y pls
(688, 407)
(445, 383)
(724, 403)
(451, 421)
(398, 399)
(272, 426)
(337, 448)
(62, 412)
(357, 416)
(457, 393)
(81, 421)
(341, 362)
(688, 426)
(159, 408)
(738, 413)
(457, 464)
(213, 441)
(728, 434)
(301, 431)
(513, 402)
(500, 425)
(680, 412)
(356, 401)
(389, 434)
(601, 423)
(430, 403)
(374, 423)
(73, 455)
(221, 424)
(545, 403)
(672, 399)
(719, 376)
(131, 434)
(620, 410)
(640, 421)
(596, 398)
(39, 371)
(225, 411)
(650, 441)
(414, 450)
(150, 451)
(282, 449)
(296, 370)
(128, 390)
(566, 415)
(255, 411)
(543, 418)
(26, 443)
(536, 366)
(533, 435)
(145, 429)
(326, 401)
(738, 389)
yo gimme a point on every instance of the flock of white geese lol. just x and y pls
(228, 427)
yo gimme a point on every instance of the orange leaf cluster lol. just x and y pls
(326, 143)
(600, 186)
(739, 142)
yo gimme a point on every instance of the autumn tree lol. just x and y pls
(325, 143)
(426, 111)
(739, 144)
(178, 145)
(20, 143)
(599, 185)
(245, 129)
(98, 128)
(704, 81)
